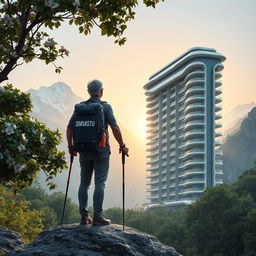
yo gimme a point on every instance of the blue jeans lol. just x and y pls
(98, 162)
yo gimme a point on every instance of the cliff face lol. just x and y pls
(78, 240)
(239, 150)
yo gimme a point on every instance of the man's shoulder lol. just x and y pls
(106, 106)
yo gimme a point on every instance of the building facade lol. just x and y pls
(184, 121)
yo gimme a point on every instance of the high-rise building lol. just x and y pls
(183, 120)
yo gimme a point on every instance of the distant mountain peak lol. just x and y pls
(59, 96)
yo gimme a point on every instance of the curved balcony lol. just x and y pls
(191, 143)
(217, 116)
(194, 75)
(152, 98)
(218, 92)
(153, 148)
(152, 104)
(153, 183)
(195, 90)
(218, 125)
(152, 190)
(218, 162)
(181, 99)
(153, 155)
(152, 130)
(194, 99)
(154, 174)
(218, 108)
(193, 82)
(218, 84)
(152, 123)
(192, 191)
(193, 124)
(153, 161)
(152, 110)
(191, 173)
(192, 163)
(193, 107)
(194, 115)
(218, 134)
(218, 143)
(191, 154)
(218, 75)
(194, 134)
(153, 197)
(191, 181)
(152, 117)
(218, 152)
(152, 142)
(218, 100)
(219, 67)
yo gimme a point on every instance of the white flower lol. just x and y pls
(32, 15)
(23, 136)
(42, 139)
(8, 20)
(51, 3)
(21, 147)
(9, 128)
(49, 43)
(1, 156)
(76, 3)
(64, 50)
(18, 168)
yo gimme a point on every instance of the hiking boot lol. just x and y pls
(85, 219)
(98, 221)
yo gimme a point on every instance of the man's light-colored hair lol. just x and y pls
(94, 88)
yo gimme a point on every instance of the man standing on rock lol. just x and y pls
(94, 159)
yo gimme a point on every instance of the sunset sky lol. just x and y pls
(155, 38)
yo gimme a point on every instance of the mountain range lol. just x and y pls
(54, 106)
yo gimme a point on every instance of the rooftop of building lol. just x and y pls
(185, 57)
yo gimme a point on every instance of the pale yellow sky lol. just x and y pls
(155, 38)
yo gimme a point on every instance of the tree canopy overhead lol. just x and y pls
(23, 26)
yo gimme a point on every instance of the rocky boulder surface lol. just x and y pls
(78, 240)
(10, 240)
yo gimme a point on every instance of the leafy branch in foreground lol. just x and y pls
(23, 26)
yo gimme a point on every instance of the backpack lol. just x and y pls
(89, 131)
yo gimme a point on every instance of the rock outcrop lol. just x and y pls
(10, 240)
(78, 240)
(239, 149)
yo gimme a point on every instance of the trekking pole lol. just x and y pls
(123, 162)
(71, 161)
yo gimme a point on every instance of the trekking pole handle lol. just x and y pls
(123, 158)
(71, 158)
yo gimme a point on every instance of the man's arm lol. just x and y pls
(69, 136)
(118, 136)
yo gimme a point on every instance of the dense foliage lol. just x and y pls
(51, 205)
(26, 145)
(16, 215)
(221, 223)
(23, 26)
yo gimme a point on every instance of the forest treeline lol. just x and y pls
(221, 223)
